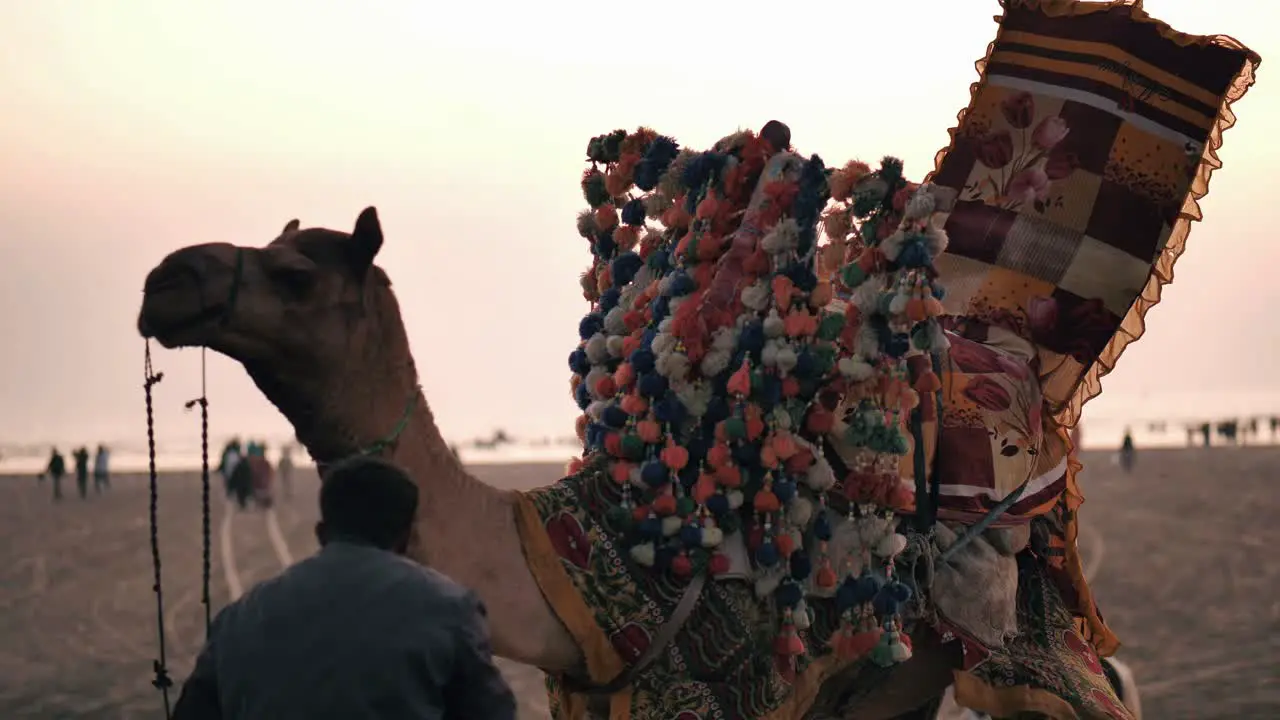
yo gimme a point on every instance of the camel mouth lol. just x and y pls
(174, 310)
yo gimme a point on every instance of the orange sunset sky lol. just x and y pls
(133, 127)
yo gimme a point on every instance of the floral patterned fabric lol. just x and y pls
(1075, 170)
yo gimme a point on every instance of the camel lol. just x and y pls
(316, 325)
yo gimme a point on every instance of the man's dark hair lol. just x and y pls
(368, 499)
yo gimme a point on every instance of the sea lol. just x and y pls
(1155, 421)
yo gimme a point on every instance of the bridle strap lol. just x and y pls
(381, 445)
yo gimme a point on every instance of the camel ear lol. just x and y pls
(366, 239)
(291, 226)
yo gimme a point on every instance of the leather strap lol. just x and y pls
(665, 635)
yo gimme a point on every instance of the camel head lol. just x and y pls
(309, 316)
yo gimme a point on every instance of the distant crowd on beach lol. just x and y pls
(57, 469)
(247, 475)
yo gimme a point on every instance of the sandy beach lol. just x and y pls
(1180, 553)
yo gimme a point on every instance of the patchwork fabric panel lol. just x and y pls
(1075, 172)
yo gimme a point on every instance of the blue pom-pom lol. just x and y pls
(659, 260)
(654, 473)
(623, 269)
(868, 585)
(590, 324)
(788, 594)
(651, 385)
(767, 555)
(822, 527)
(717, 409)
(633, 212)
(898, 345)
(578, 361)
(784, 490)
(847, 595)
(801, 565)
(605, 246)
(770, 392)
(650, 527)
(670, 411)
(914, 255)
(614, 416)
(642, 360)
(717, 504)
(582, 396)
(751, 338)
(660, 307)
(746, 454)
(609, 299)
(805, 367)
(691, 536)
(939, 292)
(646, 340)
(682, 284)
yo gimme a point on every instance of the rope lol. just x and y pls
(203, 402)
(162, 680)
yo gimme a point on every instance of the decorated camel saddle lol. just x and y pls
(825, 409)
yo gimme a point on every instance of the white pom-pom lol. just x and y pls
(597, 349)
(673, 366)
(676, 302)
(644, 554)
(898, 304)
(593, 377)
(935, 240)
(781, 418)
(820, 476)
(671, 525)
(663, 343)
(636, 480)
(714, 362)
(799, 512)
(868, 343)
(613, 322)
(756, 296)
(920, 206)
(783, 237)
(769, 353)
(773, 324)
(855, 368)
(802, 616)
(595, 408)
(665, 325)
(724, 339)
(735, 499)
(890, 546)
(695, 397)
(786, 359)
(712, 537)
(615, 345)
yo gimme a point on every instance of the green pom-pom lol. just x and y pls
(735, 428)
(824, 357)
(757, 381)
(619, 518)
(685, 506)
(632, 446)
(593, 188)
(852, 275)
(832, 324)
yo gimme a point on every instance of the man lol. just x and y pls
(355, 631)
(285, 469)
(81, 456)
(56, 469)
(101, 474)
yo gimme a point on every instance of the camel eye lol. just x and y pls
(296, 283)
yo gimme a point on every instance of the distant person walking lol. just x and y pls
(1127, 451)
(285, 469)
(55, 470)
(355, 631)
(227, 465)
(101, 473)
(81, 456)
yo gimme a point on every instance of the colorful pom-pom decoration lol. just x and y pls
(729, 348)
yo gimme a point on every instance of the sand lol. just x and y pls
(1181, 553)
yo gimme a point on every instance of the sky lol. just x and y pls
(131, 128)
